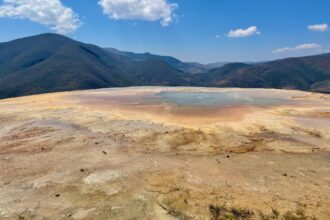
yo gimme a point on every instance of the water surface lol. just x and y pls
(226, 98)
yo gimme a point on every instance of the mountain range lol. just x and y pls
(51, 63)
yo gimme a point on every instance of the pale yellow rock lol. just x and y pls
(129, 153)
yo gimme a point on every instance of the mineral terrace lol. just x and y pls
(166, 153)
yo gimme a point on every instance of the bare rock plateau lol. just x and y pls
(166, 153)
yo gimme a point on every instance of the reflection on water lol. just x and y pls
(227, 98)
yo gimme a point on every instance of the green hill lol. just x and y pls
(52, 63)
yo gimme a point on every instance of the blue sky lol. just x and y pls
(191, 30)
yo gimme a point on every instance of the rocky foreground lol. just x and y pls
(128, 154)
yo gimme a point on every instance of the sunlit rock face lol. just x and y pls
(165, 153)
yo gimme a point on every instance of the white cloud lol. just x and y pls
(149, 10)
(51, 13)
(310, 46)
(243, 32)
(318, 27)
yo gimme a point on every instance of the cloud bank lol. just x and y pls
(318, 27)
(253, 30)
(51, 13)
(310, 46)
(148, 10)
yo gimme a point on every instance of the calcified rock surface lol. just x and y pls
(166, 153)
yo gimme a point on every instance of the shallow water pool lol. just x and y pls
(226, 98)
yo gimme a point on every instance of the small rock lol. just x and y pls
(57, 195)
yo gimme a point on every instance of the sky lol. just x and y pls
(192, 30)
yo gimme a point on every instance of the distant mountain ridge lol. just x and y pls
(311, 73)
(188, 67)
(51, 63)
